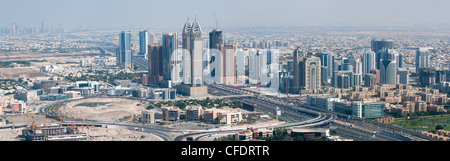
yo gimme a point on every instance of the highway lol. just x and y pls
(369, 124)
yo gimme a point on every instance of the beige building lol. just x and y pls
(229, 117)
(148, 116)
(194, 113)
(170, 113)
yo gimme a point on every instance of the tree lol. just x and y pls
(439, 127)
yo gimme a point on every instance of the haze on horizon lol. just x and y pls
(231, 13)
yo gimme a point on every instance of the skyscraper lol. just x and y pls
(312, 73)
(215, 38)
(422, 58)
(143, 43)
(186, 40)
(388, 72)
(427, 76)
(169, 55)
(403, 76)
(192, 39)
(377, 45)
(196, 50)
(124, 51)
(368, 61)
(226, 64)
(155, 65)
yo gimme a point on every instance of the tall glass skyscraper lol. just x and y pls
(143, 43)
(422, 58)
(388, 72)
(368, 61)
(170, 55)
(378, 45)
(124, 51)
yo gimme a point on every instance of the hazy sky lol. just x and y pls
(231, 13)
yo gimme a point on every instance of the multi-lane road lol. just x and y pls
(293, 113)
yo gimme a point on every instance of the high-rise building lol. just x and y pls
(152, 38)
(307, 72)
(388, 72)
(124, 51)
(169, 56)
(376, 46)
(427, 76)
(368, 61)
(143, 43)
(196, 50)
(226, 64)
(422, 58)
(403, 76)
(369, 80)
(215, 38)
(155, 65)
(312, 73)
(298, 73)
(186, 40)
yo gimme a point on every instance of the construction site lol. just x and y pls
(53, 131)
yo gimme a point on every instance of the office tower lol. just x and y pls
(422, 58)
(377, 45)
(324, 75)
(343, 81)
(345, 66)
(143, 43)
(241, 57)
(215, 38)
(152, 38)
(403, 76)
(427, 76)
(441, 76)
(155, 65)
(225, 64)
(169, 56)
(253, 66)
(377, 74)
(388, 72)
(312, 73)
(368, 61)
(355, 79)
(327, 60)
(357, 66)
(186, 40)
(196, 51)
(124, 52)
(298, 73)
(369, 79)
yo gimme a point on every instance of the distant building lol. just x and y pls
(143, 43)
(229, 117)
(18, 106)
(403, 76)
(170, 113)
(427, 76)
(367, 109)
(378, 45)
(194, 113)
(422, 58)
(388, 72)
(148, 116)
(155, 65)
(225, 63)
(124, 53)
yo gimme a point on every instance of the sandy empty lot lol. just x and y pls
(27, 72)
(110, 109)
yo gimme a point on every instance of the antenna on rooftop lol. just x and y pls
(217, 22)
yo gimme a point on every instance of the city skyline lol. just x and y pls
(287, 13)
